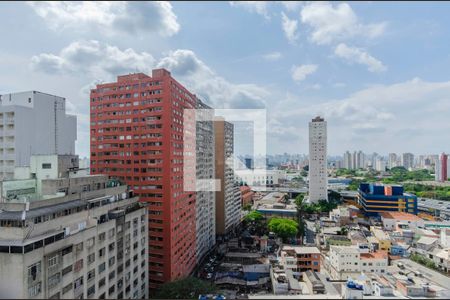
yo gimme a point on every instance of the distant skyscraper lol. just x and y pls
(318, 160)
(441, 168)
(347, 161)
(408, 160)
(33, 123)
(392, 160)
(360, 160)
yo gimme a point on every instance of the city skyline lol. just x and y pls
(357, 74)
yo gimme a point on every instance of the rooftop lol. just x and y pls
(302, 250)
(345, 249)
(375, 255)
(401, 216)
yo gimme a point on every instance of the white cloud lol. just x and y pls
(215, 90)
(272, 56)
(299, 73)
(289, 27)
(378, 113)
(292, 5)
(359, 56)
(93, 59)
(109, 17)
(259, 7)
(331, 23)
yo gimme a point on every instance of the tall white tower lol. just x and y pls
(318, 160)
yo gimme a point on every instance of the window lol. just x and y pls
(91, 275)
(67, 288)
(78, 265)
(54, 280)
(35, 290)
(91, 290)
(112, 275)
(78, 282)
(101, 282)
(111, 290)
(91, 258)
(67, 270)
(46, 166)
(111, 261)
(34, 272)
(101, 268)
(111, 247)
(101, 252)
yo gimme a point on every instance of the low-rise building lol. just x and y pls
(374, 262)
(344, 262)
(78, 237)
(384, 240)
(401, 220)
(300, 259)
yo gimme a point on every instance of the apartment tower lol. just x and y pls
(33, 123)
(318, 160)
(228, 199)
(137, 137)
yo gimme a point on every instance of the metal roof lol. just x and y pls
(41, 211)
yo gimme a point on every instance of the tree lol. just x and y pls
(255, 221)
(254, 216)
(247, 207)
(187, 288)
(284, 228)
(300, 216)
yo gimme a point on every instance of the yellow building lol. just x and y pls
(384, 241)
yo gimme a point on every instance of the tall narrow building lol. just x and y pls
(205, 204)
(408, 161)
(392, 160)
(33, 123)
(137, 137)
(228, 198)
(318, 160)
(441, 168)
(347, 160)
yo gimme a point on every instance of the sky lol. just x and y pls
(378, 72)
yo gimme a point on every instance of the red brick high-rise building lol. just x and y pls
(137, 137)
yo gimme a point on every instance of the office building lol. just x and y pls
(441, 168)
(205, 205)
(66, 235)
(33, 123)
(318, 160)
(137, 138)
(228, 198)
(408, 160)
(376, 199)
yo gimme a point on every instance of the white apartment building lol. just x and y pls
(344, 262)
(348, 261)
(33, 123)
(77, 237)
(318, 160)
(347, 161)
(205, 170)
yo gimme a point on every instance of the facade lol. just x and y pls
(318, 160)
(376, 199)
(408, 161)
(205, 205)
(301, 259)
(137, 138)
(81, 237)
(228, 199)
(344, 262)
(33, 123)
(441, 168)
